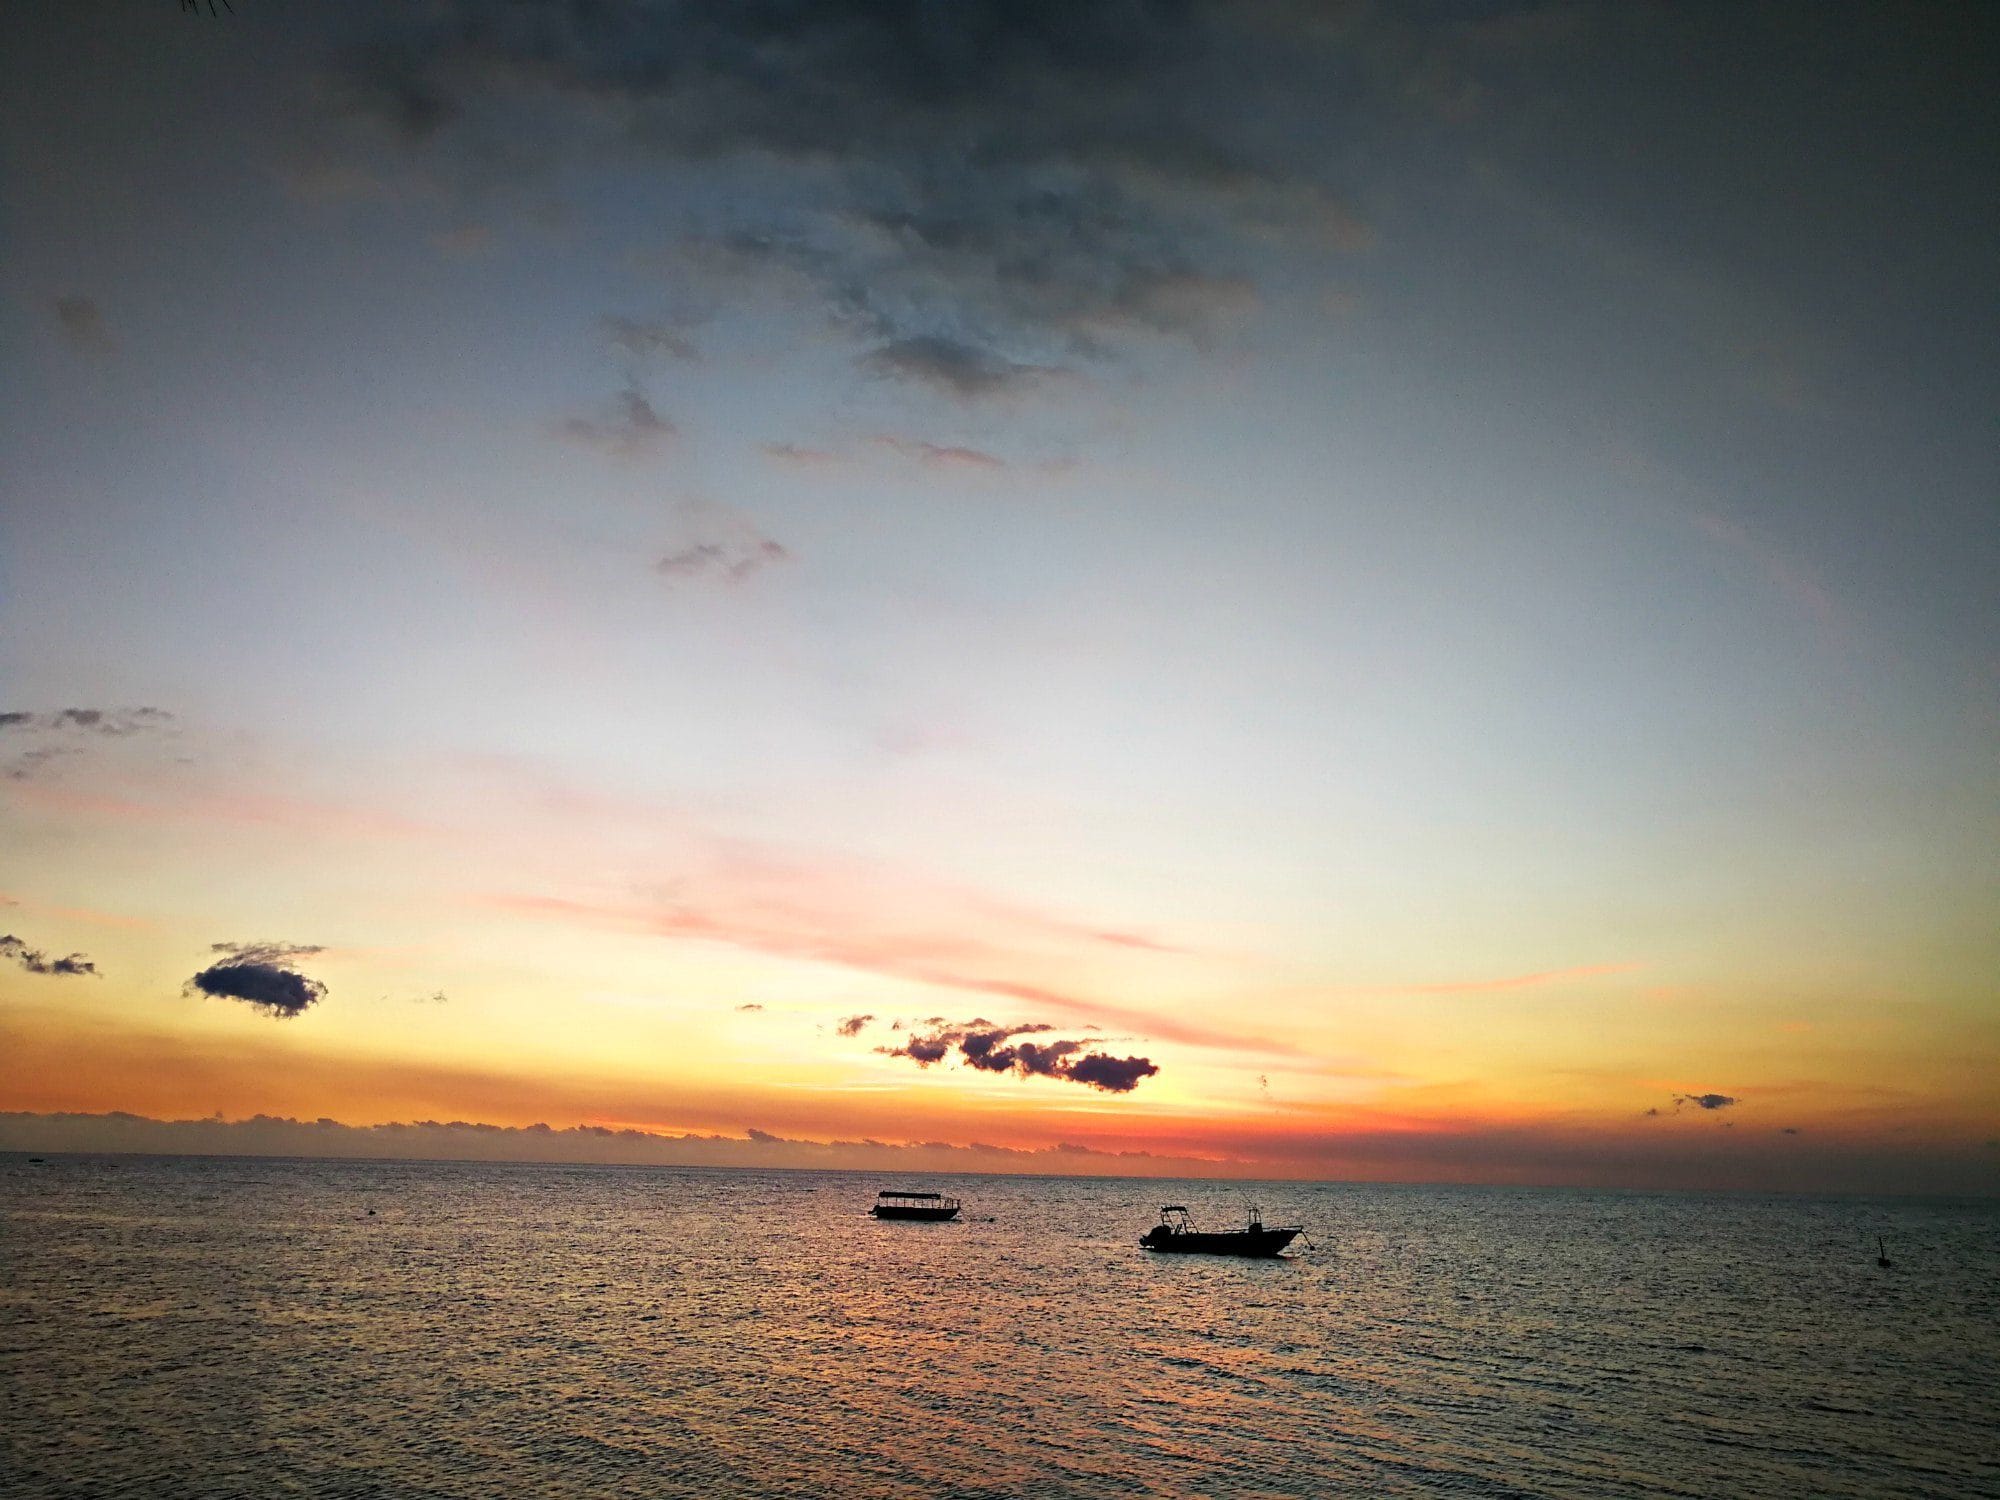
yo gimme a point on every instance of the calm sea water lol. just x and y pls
(234, 1327)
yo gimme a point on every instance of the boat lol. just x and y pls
(1176, 1234)
(934, 1208)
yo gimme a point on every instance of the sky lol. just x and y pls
(1274, 589)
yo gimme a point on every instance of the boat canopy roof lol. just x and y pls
(1173, 1208)
(893, 1193)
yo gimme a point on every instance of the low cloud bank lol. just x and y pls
(468, 1140)
(1822, 1162)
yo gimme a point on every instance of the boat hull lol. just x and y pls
(924, 1215)
(1252, 1242)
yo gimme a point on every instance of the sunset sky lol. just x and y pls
(1381, 591)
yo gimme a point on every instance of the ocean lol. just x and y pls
(223, 1327)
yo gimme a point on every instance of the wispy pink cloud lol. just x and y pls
(938, 455)
(879, 924)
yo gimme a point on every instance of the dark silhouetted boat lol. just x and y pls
(1176, 1235)
(934, 1208)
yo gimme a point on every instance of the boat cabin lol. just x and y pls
(895, 1203)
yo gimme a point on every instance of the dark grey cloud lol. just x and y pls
(115, 722)
(267, 952)
(58, 734)
(1116, 1075)
(991, 1048)
(629, 428)
(952, 367)
(733, 559)
(853, 1025)
(36, 962)
(262, 975)
(1704, 1101)
(752, 1005)
(83, 327)
(978, 190)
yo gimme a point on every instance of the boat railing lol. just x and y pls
(938, 1200)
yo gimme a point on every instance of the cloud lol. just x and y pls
(114, 722)
(852, 1025)
(37, 962)
(752, 1005)
(991, 1049)
(951, 367)
(631, 429)
(644, 339)
(83, 327)
(938, 455)
(64, 732)
(734, 559)
(477, 1140)
(974, 191)
(807, 458)
(1704, 1101)
(260, 974)
(1115, 1075)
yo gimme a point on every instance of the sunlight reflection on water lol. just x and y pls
(211, 1327)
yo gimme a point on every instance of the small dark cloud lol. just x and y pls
(64, 732)
(852, 1025)
(794, 453)
(753, 1133)
(630, 429)
(267, 952)
(641, 339)
(752, 1005)
(1653, 1112)
(36, 962)
(1117, 1075)
(733, 560)
(982, 1045)
(965, 371)
(1789, 1130)
(1704, 1101)
(82, 322)
(261, 975)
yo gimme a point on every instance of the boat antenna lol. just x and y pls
(1882, 1254)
